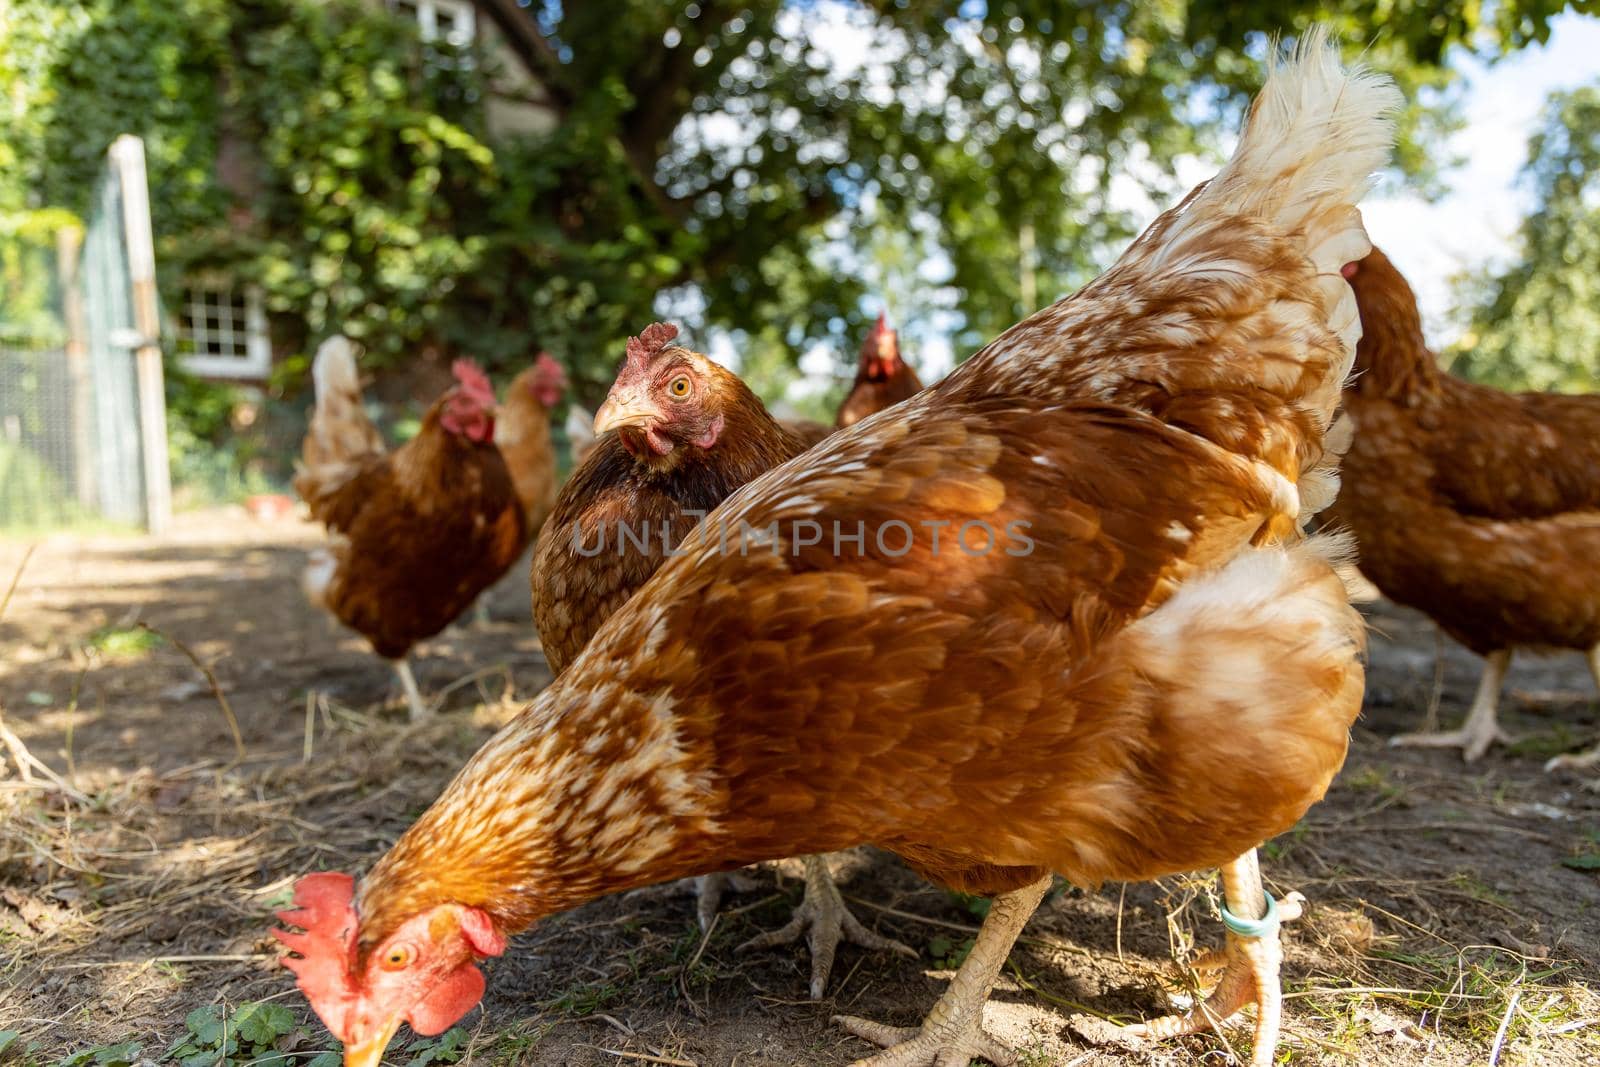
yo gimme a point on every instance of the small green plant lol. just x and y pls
(1585, 858)
(125, 1054)
(1473, 886)
(949, 954)
(448, 1047)
(977, 906)
(1559, 738)
(1372, 780)
(251, 1033)
(124, 642)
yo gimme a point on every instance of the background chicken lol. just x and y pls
(415, 534)
(1149, 675)
(678, 434)
(1479, 507)
(522, 433)
(883, 378)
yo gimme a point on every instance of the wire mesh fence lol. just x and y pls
(40, 484)
(82, 426)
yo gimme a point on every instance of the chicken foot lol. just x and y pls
(1577, 761)
(709, 889)
(825, 921)
(952, 1034)
(1481, 728)
(1252, 962)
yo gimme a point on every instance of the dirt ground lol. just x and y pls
(1454, 918)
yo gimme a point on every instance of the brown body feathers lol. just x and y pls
(1474, 505)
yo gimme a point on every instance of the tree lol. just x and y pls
(1535, 324)
(712, 155)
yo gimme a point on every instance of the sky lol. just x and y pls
(1476, 222)
(1473, 224)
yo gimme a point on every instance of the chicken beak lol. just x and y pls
(627, 409)
(369, 1053)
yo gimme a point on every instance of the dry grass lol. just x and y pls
(1443, 927)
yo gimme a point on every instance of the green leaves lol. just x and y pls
(255, 1033)
(705, 159)
(262, 1023)
(448, 1047)
(1535, 324)
(125, 1054)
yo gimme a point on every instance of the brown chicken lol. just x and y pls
(677, 435)
(1119, 661)
(415, 534)
(1476, 506)
(522, 433)
(883, 378)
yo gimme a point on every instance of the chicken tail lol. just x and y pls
(1315, 137)
(340, 435)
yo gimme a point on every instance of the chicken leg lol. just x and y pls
(1577, 761)
(1253, 956)
(825, 921)
(419, 709)
(952, 1034)
(708, 891)
(1480, 730)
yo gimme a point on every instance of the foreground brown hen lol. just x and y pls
(414, 534)
(679, 433)
(1120, 661)
(1477, 506)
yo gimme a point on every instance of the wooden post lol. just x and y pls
(127, 155)
(69, 243)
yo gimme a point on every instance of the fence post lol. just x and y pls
(127, 155)
(69, 243)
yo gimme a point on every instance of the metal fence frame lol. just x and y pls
(83, 426)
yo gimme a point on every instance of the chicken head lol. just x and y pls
(469, 407)
(663, 400)
(423, 973)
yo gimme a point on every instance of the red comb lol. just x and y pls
(325, 910)
(651, 340)
(548, 368)
(473, 381)
(873, 358)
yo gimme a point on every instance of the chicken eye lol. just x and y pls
(678, 388)
(398, 957)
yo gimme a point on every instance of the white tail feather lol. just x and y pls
(333, 372)
(340, 435)
(580, 430)
(1316, 136)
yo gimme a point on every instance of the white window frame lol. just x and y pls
(256, 363)
(466, 20)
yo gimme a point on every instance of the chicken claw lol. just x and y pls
(1481, 728)
(825, 921)
(952, 1035)
(709, 888)
(1573, 761)
(1578, 761)
(1252, 958)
